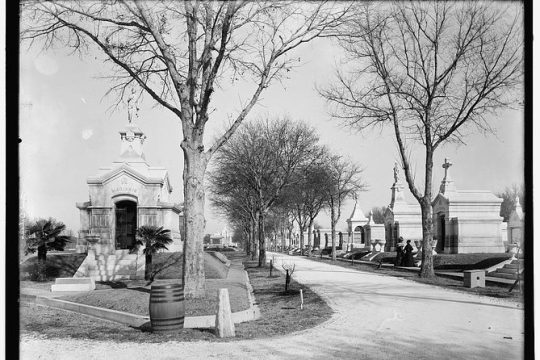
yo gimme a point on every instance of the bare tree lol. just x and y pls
(378, 214)
(432, 71)
(307, 196)
(261, 159)
(179, 53)
(289, 271)
(236, 204)
(344, 180)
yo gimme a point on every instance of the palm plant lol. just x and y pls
(153, 239)
(44, 235)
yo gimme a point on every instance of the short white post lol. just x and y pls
(301, 300)
(224, 322)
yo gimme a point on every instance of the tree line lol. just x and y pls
(274, 172)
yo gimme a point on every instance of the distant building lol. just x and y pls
(224, 238)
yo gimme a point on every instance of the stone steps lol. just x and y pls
(120, 265)
(503, 275)
(506, 270)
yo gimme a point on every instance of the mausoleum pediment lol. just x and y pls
(127, 171)
(468, 196)
(440, 199)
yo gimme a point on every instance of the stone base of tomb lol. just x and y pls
(112, 266)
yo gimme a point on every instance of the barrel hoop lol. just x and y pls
(156, 325)
(167, 296)
(157, 301)
(172, 293)
(170, 286)
(172, 297)
(168, 328)
(166, 321)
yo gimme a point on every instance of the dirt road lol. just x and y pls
(376, 317)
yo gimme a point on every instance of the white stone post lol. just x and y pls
(224, 323)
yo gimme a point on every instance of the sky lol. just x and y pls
(68, 131)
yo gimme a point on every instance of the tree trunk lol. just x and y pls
(253, 240)
(426, 270)
(250, 239)
(262, 250)
(148, 267)
(333, 231)
(195, 163)
(42, 253)
(309, 237)
(302, 240)
(282, 238)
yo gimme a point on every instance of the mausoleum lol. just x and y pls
(355, 227)
(401, 218)
(466, 221)
(125, 195)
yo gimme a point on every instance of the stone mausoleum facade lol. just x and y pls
(126, 195)
(467, 221)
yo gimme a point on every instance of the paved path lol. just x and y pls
(376, 317)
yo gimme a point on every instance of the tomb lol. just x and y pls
(375, 234)
(466, 221)
(122, 197)
(400, 217)
(515, 229)
(355, 227)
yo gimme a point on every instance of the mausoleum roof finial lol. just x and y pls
(447, 184)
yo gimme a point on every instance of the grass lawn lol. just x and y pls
(134, 298)
(57, 265)
(164, 265)
(497, 291)
(169, 266)
(280, 314)
(460, 262)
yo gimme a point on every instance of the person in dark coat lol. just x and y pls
(408, 260)
(399, 250)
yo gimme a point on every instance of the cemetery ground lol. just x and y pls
(372, 316)
(279, 311)
(442, 262)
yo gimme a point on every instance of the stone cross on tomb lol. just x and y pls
(446, 167)
(447, 184)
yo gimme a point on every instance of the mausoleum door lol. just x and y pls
(126, 224)
(442, 233)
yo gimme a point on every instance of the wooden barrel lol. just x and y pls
(167, 307)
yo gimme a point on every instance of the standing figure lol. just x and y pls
(408, 261)
(399, 250)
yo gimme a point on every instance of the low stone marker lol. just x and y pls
(74, 284)
(224, 322)
(474, 278)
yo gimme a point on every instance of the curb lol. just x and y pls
(193, 322)
(437, 272)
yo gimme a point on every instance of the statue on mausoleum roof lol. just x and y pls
(396, 172)
(133, 106)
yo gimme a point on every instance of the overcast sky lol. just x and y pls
(68, 132)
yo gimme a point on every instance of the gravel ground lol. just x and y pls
(376, 317)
